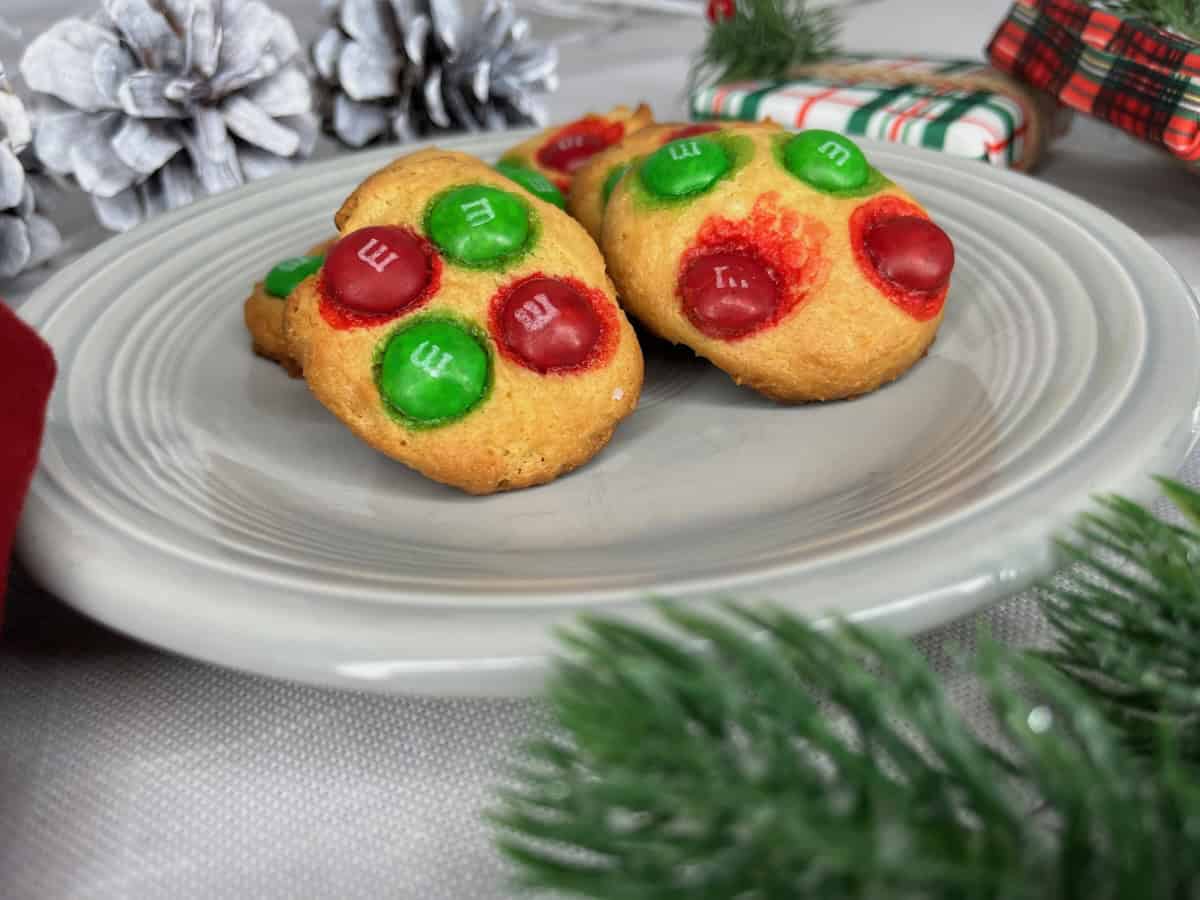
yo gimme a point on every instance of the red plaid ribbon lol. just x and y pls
(1143, 80)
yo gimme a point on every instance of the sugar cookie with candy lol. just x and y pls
(559, 152)
(785, 259)
(593, 184)
(466, 328)
(534, 182)
(263, 310)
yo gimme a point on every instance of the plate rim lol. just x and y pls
(521, 673)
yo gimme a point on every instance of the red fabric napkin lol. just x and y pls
(26, 375)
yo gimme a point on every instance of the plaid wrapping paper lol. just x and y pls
(979, 124)
(1143, 80)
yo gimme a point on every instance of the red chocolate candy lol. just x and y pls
(910, 252)
(690, 131)
(727, 295)
(548, 324)
(378, 270)
(568, 150)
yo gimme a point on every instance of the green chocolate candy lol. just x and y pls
(433, 371)
(534, 182)
(478, 225)
(615, 174)
(282, 279)
(826, 160)
(684, 167)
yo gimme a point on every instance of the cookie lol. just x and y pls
(466, 328)
(594, 182)
(786, 260)
(263, 310)
(534, 182)
(558, 153)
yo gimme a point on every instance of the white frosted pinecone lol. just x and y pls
(398, 69)
(151, 104)
(26, 238)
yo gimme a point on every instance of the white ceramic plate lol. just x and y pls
(193, 496)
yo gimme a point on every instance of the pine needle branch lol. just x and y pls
(765, 39)
(745, 754)
(1182, 16)
(1128, 619)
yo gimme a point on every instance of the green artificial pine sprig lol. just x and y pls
(1182, 16)
(763, 39)
(743, 753)
(1128, 622)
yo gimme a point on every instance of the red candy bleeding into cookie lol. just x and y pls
(911, 252)
(727, 295)
(549, 325)
(742, 276)
(377, 271)
(568, 150)
(903, 253)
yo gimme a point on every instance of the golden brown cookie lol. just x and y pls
(594, 182)
(559, 152)
(263, 310)
(466, 328)
(787, 260)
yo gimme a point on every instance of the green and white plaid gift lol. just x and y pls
(960, 107)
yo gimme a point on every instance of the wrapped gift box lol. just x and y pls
(1143, 80)
(961, 107)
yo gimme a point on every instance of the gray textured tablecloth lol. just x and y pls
(126, 773)
(129, 773)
